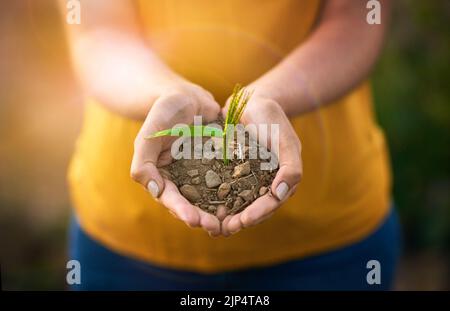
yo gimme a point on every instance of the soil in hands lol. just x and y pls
(209, 183)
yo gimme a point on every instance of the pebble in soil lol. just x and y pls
(209, 183)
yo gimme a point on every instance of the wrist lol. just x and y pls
(296, 97)
(259, 103)
(264, 91)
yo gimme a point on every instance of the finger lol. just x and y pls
(179, 205)
(209, 222)
(143, 165)
(210, 109)
(221, 212)
(235, 225)
(286, 180)
(290, 167)
(225, 227)
(264, 218)
(223, 112)
(165, 158)
(224, 109)
(147, 175)
(258, 211)
(213, 235)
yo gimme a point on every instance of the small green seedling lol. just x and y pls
(239, 100)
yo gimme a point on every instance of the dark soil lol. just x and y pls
(209, 183)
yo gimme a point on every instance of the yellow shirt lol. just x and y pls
(345, 191)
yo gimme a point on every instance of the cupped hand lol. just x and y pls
(178, 103)
(261, 110)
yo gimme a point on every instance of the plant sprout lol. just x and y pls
(239, 100)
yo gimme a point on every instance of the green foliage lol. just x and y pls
(239, 100)
(412, 98)
(189, 131)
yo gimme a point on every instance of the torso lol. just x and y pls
(345, 190)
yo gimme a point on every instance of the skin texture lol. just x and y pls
(338, 55)
(180, 105)
(267, 111)
(113, 60)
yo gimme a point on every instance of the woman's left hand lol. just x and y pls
(262, 110)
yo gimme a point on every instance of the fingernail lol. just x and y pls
(153, 188)
(282, 190)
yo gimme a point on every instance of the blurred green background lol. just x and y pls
(412, 95)
(40, 115)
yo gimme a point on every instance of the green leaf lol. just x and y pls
(239, 100)
(189, 131)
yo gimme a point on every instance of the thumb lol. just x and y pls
(210, 109)
(143, 166)
(290, 171)
(147, 175)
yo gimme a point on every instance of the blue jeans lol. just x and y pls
(341, 269)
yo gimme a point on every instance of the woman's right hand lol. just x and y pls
(178, 103)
